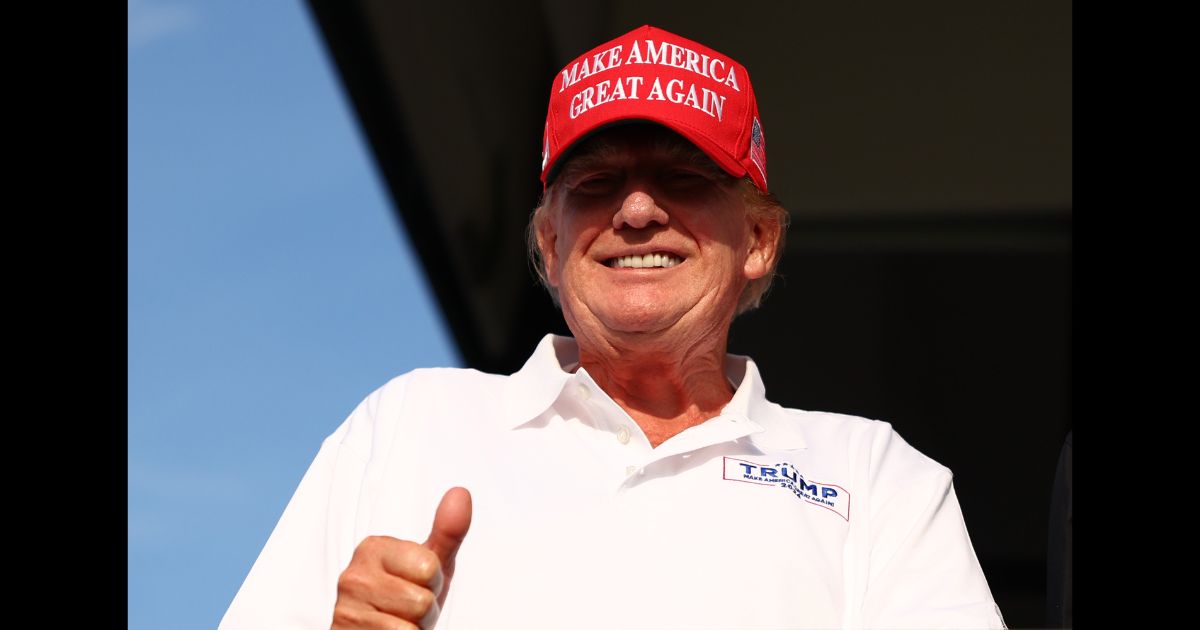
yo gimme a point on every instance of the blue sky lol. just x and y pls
(270, 289)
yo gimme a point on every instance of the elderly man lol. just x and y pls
(634, 476)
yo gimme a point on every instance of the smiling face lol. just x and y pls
(645, 234)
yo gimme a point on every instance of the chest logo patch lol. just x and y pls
(832, 497)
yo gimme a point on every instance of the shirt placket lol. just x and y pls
(631, 455)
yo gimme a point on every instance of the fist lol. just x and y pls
(392, 583)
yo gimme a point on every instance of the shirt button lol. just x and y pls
(584, 394)
(623, 434)
(629, 470)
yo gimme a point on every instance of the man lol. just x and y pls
(634, 476)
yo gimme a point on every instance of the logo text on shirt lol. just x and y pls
(783, 474)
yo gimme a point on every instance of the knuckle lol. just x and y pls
(425, 564)
(362, 551)
(373, 544)
(372, 548)
(353, 582)
(422, 600)
(346, 616)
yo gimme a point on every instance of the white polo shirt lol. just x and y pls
(760, 518)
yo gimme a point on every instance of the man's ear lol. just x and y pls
(763, 247)
(547, 239)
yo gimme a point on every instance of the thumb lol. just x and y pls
(450, 525)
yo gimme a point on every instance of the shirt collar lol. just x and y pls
(534, 388)
(780, 431)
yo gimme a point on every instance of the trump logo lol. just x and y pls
(784, 475)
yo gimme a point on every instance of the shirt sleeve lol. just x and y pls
(293, 583)
(922, 571)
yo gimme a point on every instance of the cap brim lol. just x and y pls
(710, 148)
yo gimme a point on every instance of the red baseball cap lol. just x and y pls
(651, 75)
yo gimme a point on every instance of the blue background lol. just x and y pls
(271, 288)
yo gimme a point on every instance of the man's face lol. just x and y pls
(647, 234)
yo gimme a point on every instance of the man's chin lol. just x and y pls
(624, 318)
(650, 322)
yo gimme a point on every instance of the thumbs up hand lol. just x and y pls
(392, 583)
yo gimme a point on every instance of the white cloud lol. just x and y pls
(150, 21)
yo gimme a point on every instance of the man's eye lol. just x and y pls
(595, 184)
(685, 178)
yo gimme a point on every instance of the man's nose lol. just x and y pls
(638, 211)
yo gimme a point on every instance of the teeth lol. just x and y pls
(642, 262)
